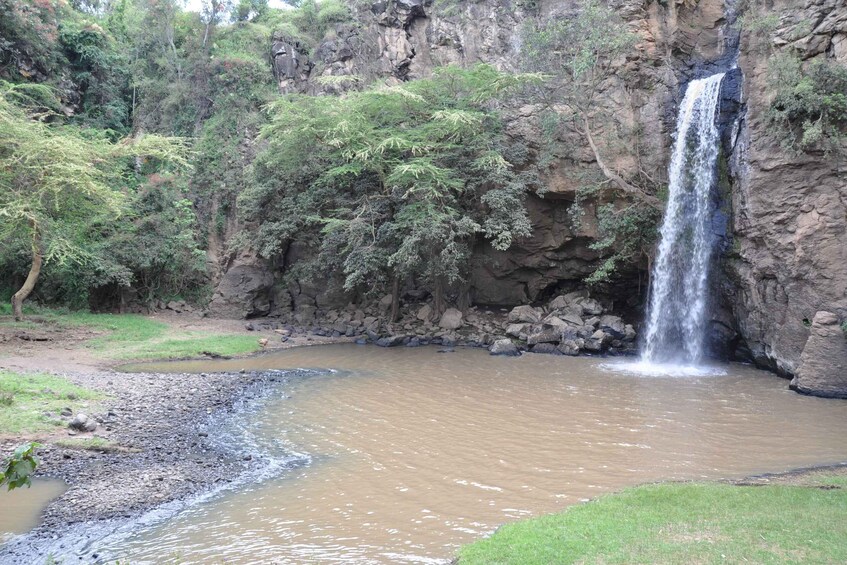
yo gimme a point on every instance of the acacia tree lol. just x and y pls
(392, 182)
(55, 179)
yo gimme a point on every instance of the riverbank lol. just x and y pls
(158, 445)
(793, 517)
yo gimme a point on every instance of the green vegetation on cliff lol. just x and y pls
(681, 523)
(390, 182)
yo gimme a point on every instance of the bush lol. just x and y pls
(809, 108)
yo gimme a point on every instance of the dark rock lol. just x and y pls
(392, 341)
(83, 423)
(546, 348)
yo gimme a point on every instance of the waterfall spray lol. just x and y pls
(676, 317)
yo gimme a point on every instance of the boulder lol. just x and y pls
(244, 291)
(518, 330)
(385, 303)
(570, 347)
(391, 341)
(544, 333)
(546, 348)
(451, 319)
(525, 314)
(589, 306)
(424, 313)
(613, 326)
(823, 363)
(554, 320)
(558, 303)
(629, 333)
(83, 423)
(572, 319)
(504, 347)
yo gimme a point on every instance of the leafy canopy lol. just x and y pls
(391, 181)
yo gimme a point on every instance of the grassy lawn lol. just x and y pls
(681, 523)
(131, 336)
(24, 400)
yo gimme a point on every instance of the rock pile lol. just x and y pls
(570, 324)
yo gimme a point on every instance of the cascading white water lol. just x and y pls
(676, 317)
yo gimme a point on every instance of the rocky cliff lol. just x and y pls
(782, 218)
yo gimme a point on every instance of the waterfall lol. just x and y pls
(676, 318)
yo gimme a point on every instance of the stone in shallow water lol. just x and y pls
(504, 347)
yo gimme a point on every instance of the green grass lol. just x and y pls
(88, 444)
(131, 336)
(34, 395)
(680, 523)
(193, 344)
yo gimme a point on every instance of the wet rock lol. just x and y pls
(546, 348)
(613, 326)
(629, 333)
(451, 319)
(391, 341)
(83, 423)
(504, 347)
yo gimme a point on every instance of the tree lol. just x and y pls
(55, 179)
(390, 183)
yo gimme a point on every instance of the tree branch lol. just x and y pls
(615, 178)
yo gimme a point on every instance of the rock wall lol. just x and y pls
(789, 214)
(782, 218)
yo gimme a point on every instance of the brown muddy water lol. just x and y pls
(412, 452)
(20, 509)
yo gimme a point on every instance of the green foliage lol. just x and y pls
(58, 184)
(20, 466)
(389, 182)
(679, 523)
(578, 52)
(156, 241)
(809, 108)
(309, 21)
(28, 33)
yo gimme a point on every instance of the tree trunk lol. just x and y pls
(395, 299)
(35, 270)
(438, 299)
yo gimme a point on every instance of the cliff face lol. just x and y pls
(789, 215)
(782, 226)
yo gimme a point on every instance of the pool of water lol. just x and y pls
(21, 508)
(414, 452)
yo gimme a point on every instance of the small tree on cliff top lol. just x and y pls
(54, 180)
